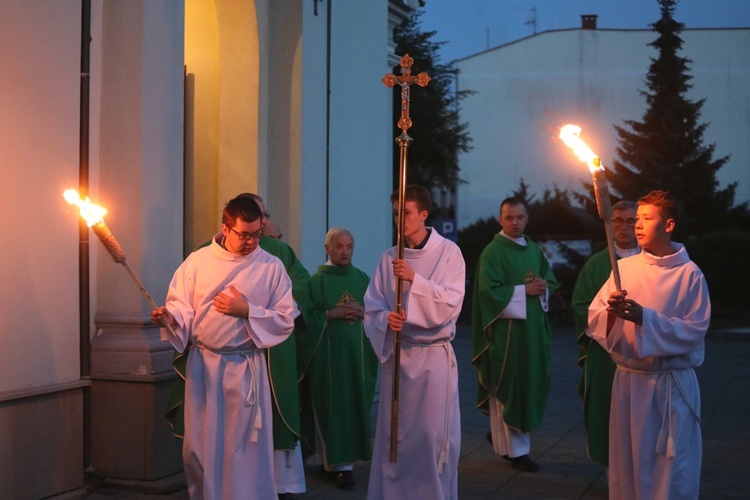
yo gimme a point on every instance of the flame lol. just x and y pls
(570, 135)
(90, 212)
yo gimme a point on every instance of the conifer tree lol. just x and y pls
(438, 135)
(665, 149)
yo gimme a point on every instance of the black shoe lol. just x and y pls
(322, 472)
(345, 480)
(524, 464)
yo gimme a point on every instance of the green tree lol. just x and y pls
(438, 135)
(665, 149)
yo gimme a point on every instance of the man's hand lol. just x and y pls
(231, 305)
(536, 287)
(349, 312)
(402, 270)
(396, 321)
(625, 308)
(162, 317)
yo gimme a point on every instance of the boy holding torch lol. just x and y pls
(656, 338)
(231, 300)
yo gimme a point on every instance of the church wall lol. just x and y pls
(358, 167)
(314, 108)
(40, 386)
(139, 126)
(39, 145)
(138, 53)
(527, 89)
(240, 74)
(280, 132)
(202, 89)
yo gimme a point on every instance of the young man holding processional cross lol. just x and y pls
(429, 426)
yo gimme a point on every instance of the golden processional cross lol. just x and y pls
(404, 122)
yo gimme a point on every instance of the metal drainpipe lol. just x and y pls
(84, 314)
(328, 107)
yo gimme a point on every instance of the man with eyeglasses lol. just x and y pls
(230, 300)
(282, 367)
(595, 386)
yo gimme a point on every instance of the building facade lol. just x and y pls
(528, 89)
(162, 112)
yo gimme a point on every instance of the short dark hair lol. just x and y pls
(625, 205)
(513, 201)
(666, 203)
(240, 207)
(416, 193)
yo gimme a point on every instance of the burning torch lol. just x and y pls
(93, 215)
(570, 135)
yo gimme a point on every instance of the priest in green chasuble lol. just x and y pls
(595, 387)
(338, 361)
(511, 335)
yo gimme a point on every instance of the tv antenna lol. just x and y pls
(531, 21)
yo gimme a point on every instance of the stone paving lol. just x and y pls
(559, 444)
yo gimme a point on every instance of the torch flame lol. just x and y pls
(570, 135)
(89, 211)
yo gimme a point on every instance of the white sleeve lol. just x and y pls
(516, 308)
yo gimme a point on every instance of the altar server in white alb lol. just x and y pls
(429, 425)
(654, 329)
(231, 299)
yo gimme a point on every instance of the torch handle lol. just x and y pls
(146, 294)
(601, 192)
(604, 207)
(612, 255)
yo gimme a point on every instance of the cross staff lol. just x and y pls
(404, 122)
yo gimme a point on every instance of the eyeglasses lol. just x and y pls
(622, 222)
(246, 236)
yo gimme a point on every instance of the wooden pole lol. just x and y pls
(604, 208)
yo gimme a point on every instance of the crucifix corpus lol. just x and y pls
(403, 141)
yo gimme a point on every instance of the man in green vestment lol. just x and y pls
(511, 335)
(337, 359)
(595, 387)
(282, 368)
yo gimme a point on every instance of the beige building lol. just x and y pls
(527, 90)
(181, 106)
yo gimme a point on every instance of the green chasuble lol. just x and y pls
(595, 386)
(340, 367)
(512, 356)
(281, 361)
